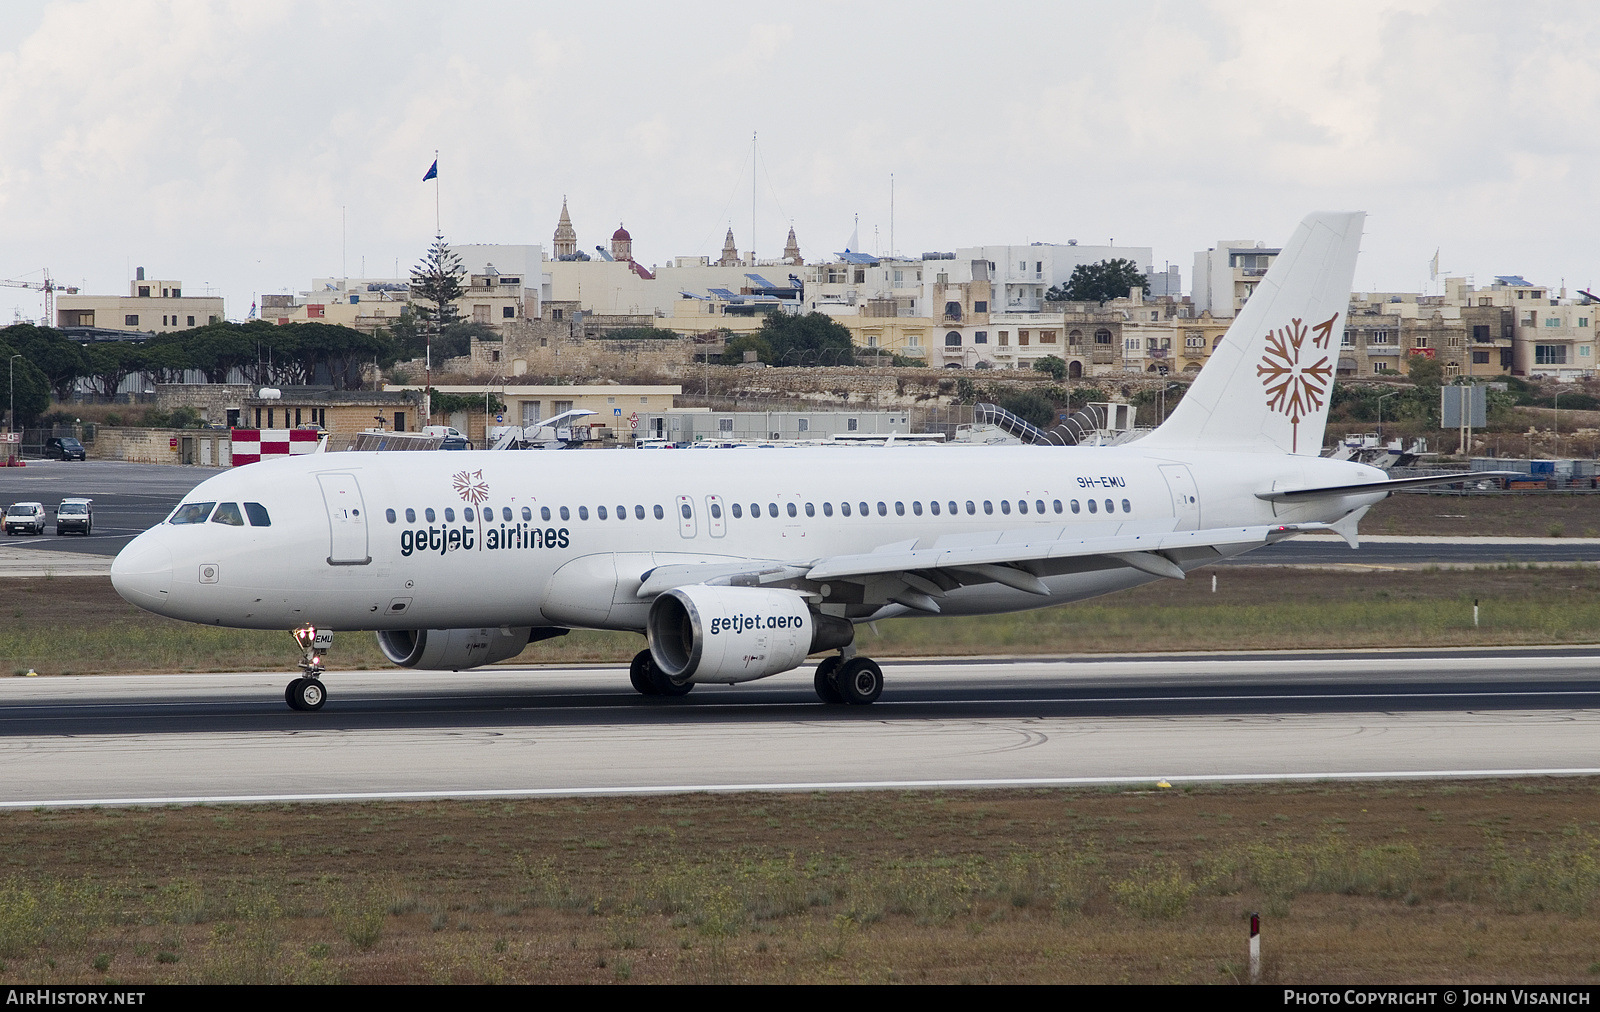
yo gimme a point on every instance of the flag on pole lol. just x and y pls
(433, 171)
(252, 315)
(1433, 266)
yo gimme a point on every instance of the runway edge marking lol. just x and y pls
(857, 785)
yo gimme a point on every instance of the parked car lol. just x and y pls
(75, 515)
(26, 518)
(456, 442)
(64, 448)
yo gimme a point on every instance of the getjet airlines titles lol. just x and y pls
(737, 565)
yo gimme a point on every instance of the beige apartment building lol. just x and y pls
(151, 306)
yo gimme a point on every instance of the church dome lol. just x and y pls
(621, 235)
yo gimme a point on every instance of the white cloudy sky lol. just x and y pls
(216, 141)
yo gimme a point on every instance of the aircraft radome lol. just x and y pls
(739, 564)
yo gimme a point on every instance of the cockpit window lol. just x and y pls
(258, 514)
(192, 513)
(228, 513)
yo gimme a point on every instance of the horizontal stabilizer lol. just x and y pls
(1362, 488)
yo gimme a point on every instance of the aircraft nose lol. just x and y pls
(142, 573)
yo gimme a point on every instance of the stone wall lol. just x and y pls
(206, 447)
(212, 400)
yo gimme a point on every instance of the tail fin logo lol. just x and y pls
(1293, 387)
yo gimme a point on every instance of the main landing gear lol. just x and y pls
(854, 680)
(307, 692)
(650, 680)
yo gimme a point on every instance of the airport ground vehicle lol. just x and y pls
(64, 448)
(26, 518)
(75, 515)
(737, 566)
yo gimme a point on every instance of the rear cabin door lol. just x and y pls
(347, 520)
(1185, 497)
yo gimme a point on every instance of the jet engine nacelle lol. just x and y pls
(452, 649)
(736, 634)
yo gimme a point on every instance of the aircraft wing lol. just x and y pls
(916, 576)
(1293, 494)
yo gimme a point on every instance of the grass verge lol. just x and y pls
(1468, 882)
(80, 626)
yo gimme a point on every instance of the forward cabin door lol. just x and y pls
(347, 520)
(1185, 497)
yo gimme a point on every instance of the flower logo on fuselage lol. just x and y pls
(470, 486)
(1293, 387)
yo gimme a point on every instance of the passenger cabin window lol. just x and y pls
(1039, 507)
(738, 511)
(411, 515)
(883, 509)
(844, 509)
(466, 514)
(772, 509)
(505, 513)
(527, 514)
(544, 513)
(971, 509)
(389, 516)
(899, 509)
(1005, 506)
(934, 507)
(427, 515)
(1111, 507)
(449, 515)
(1092, 507)
(988, 507)
(259, 517)
(684, 509)
(638, 512)
(1074, 505)
(192, 513)
(916, 508)
(716, 511)
(661, 514)
(583, 512)
(792, 511)
(565, 514)
(1127, 507)
(228, 513)
(827, 509)
(811, 510)
(1057, 505)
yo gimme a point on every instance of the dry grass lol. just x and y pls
(1395, 882)
(1487, 515)
(1254, 608)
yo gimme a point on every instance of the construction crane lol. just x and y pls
(49, 288)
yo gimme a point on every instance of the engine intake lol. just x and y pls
(453, 649)
(737, 634)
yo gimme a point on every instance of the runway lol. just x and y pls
(962, 723)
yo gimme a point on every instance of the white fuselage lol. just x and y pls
(363, 540)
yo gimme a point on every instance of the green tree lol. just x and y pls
(733, 351)
(24, 381)
(111, 362)
(811, 339)
(60, 360)
(1029, 404)
(436, 280)
(1056, 367)
(1101, 282)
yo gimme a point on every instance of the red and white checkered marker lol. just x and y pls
(252, 446)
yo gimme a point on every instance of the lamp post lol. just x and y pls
(1380, 414)
(11, 367)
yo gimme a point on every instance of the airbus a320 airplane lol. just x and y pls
(738, 565)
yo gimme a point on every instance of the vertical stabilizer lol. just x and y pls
(1267, 385)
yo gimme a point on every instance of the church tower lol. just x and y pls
(730, 252)
(791, 250)
(621, 245)
(566, 238)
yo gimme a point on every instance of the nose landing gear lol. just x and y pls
(307, 692)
